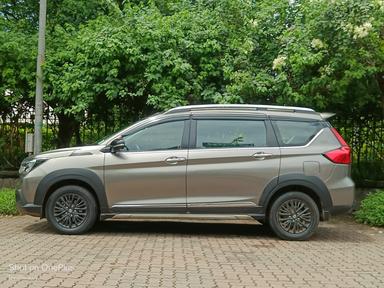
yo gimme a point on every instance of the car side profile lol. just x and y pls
(286, 167)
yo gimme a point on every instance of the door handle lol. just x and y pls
(174, 160)
(261, 155)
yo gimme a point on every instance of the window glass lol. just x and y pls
(296, 133)
(165, 136)
(230, 133)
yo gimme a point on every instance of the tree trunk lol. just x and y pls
(77, 134)
(67, 126)
(380, 81)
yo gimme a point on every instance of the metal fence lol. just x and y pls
(19, 121)
(365, 134)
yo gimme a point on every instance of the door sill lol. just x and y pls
(179, 216)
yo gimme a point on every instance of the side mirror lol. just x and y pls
(117, 145)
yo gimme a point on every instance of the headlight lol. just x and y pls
(29, 164)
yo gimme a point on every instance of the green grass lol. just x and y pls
(8, 202)
(371, 211)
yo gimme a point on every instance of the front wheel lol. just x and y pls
(71, 210)
(294, 216)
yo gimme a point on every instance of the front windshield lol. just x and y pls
(102, 140)
(108, 138)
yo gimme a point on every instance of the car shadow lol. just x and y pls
(213, 228)
(333, 233)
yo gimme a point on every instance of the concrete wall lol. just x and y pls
(9, 179)
(8, 182)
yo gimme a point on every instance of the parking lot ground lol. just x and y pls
(164, 253)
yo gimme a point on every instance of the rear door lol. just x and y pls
(230, 162)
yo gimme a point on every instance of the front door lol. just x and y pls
(150, 176)
(232, 162)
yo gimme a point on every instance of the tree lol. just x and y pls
(113, 62)
(333, 55)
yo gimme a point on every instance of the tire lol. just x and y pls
(67, 219)
(294, 216)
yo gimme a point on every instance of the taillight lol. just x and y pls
(341, 155)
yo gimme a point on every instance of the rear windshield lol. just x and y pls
(296, 133)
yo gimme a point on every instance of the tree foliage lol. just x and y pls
(135, 57)
(334, 55)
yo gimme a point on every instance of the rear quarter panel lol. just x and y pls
(309, 160)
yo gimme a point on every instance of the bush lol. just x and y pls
(8, 202)
(371, 211)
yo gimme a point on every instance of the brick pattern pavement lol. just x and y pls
(188, 254)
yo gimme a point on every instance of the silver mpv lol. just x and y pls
(284, 166)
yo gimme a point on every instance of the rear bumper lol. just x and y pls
(343, 196)
(26, 208)
(342, 209)
(336, 210)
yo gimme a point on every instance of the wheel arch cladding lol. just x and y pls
(310, 185)
(81, 177)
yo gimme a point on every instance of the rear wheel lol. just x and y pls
(294, 216)
(71, 210)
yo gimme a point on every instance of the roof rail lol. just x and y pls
(248, 107)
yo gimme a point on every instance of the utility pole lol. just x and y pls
(39, 79)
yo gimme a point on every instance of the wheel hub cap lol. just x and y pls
(294, 216)
(70, 210)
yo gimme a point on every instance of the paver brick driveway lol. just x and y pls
(188, 254)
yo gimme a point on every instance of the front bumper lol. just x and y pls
(26, 208)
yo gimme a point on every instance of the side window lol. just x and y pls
(164, 136)
(230, 133)
(297, 133)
